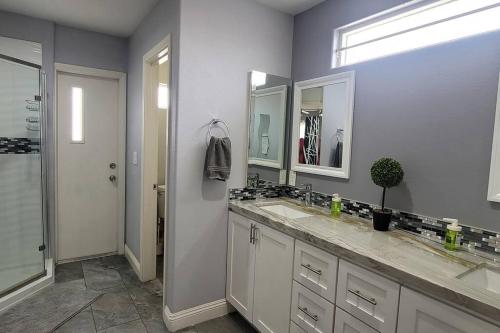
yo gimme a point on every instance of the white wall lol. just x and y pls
(220, 41)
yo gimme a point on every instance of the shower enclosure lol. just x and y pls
(22, 172)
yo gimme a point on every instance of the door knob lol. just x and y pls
(112, 178)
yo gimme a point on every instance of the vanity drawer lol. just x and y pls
(294, 328)
(315, 269)
(368, 296)
(311, 312)
(345, 323)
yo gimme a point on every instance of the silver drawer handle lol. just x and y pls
(360, 295)
(314, 270)
(309, 314)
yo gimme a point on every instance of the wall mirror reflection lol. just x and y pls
(322, 125)
(268, 109)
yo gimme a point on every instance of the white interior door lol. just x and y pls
(87, 156)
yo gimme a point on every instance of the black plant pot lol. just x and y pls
(381, 219)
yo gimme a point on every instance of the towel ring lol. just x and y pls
(213, 124)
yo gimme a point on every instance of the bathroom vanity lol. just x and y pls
(295, 269)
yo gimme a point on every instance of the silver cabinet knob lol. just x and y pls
(112, 178)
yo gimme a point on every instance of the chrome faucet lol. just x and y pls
(308, 194)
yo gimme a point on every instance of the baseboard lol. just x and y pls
(196, 315)
(133, 261)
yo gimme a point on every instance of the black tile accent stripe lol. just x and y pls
(19, 146)
(425, 226)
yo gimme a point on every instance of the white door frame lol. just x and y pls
(122, 114)
(147, 265)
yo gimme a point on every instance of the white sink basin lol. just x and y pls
(285, 211)
(483, 277)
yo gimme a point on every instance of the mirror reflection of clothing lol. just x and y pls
(337, 155)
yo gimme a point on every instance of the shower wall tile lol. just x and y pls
(19, 146)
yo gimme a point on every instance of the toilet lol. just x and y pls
(160, 219)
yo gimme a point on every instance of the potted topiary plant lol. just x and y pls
(386, 173)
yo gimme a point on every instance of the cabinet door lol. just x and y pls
(315, 269)
(294, 328)
(311, 312)
(345, 323)
(368, 296)
(240, 265)
(273, 280)
(421, 314)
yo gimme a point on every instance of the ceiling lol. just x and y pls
(292, 7)
(114, 17)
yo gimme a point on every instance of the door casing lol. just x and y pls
(149, 161)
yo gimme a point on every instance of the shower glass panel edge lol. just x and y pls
(22, 173)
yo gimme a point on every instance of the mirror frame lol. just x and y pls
(494, 181)
(349, 79)
(276, 164)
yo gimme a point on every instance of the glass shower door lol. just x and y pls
(21, 201)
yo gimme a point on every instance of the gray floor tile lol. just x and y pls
(131, 327)
(98, 277)
(130, 278)
(156, 326)
(81, 323)
(232, 323)
(114, 308)
(48, 308)
(188, 330)
(149, 306)
(69, 272)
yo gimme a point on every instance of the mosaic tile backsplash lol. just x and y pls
(19, 146)
(425, 226)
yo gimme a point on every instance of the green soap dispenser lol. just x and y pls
(451, 241)
(336, 207)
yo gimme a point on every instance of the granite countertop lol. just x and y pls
(405, 258)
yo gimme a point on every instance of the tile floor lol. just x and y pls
(128, 305)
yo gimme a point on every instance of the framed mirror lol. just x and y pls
(322, 125)
(268, 109)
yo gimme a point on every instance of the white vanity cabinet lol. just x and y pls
(283, 285)
(368, 296)
(240, 265)
(345, 323)
(421, 314)
(316, 270)
(259, 273)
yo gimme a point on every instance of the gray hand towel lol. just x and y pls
(218, 159)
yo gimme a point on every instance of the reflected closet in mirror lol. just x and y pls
(322, 125)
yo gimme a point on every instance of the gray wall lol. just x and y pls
(221, 41)
(90, 49)
(57, 46)
(432, 109)
(162, 20)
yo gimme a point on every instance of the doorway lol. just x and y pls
(90, 162)
(156, 98)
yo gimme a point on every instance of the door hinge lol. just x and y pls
(38, 98)
(41, 247)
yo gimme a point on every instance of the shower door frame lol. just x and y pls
(42, 81)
